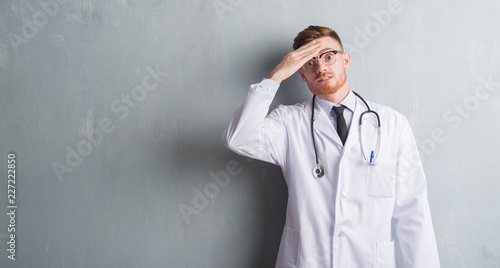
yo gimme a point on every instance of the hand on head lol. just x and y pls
(294, 60)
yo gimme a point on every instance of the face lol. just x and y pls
(323, 79)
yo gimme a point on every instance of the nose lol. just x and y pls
(320, 66)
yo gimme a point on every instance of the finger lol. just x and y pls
(308, 50)
(308, 53)
(311, 43)
(308, 47)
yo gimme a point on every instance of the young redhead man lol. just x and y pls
(339, 216)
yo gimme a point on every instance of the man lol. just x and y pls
(343, 218)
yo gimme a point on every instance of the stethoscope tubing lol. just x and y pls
(318, 170)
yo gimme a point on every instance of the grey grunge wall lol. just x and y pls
(112, 114)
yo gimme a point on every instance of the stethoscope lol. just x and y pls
(319, 170)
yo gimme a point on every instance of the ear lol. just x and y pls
(302, 75)
(347, 60)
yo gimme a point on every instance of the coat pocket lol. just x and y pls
(381, 178)
(386, 256)
(289, 248)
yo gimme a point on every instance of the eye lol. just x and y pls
(309, 63)
(329, 56)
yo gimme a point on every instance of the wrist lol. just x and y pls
(275, 77)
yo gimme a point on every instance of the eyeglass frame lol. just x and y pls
(319, 57)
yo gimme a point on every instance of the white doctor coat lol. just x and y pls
(342, 219)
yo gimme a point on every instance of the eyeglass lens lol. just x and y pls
(328, 58)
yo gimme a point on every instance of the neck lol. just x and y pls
(337, 96)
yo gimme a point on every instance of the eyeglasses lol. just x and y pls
(328, 59)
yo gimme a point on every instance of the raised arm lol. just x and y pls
(254, 133)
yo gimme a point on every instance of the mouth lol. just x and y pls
(324, 79)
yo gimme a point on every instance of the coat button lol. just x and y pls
(341, 234)
(343, 195)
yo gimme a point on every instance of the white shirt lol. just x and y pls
(349, 102)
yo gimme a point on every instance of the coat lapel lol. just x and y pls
(323, 124)
(353, 135)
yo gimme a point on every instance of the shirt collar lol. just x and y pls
(349, 101)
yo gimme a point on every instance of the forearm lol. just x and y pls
(248, 132)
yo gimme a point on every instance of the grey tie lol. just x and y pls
(341, 124)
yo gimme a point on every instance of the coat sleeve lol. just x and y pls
(411, 212)
(253, 133)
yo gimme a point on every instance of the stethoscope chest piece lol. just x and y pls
(318, 171)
